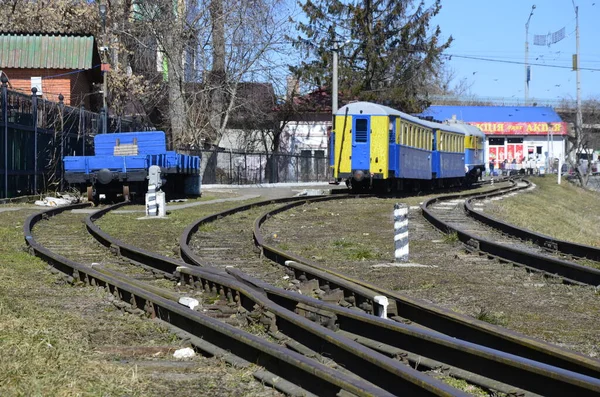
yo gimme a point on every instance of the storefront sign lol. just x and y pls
(537, 128)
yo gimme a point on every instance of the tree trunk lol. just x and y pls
(217, 75)
(175, 87)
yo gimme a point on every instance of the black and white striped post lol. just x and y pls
(151, 204)
(400, 232)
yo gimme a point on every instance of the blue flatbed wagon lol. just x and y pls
(121, 162)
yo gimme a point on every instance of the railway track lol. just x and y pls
(243, 290)
(481, 233)
(305, 369)
(427, 315)
(381, 335)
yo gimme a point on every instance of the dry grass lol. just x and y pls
(565, 211)
(53, 338)
(160, 235)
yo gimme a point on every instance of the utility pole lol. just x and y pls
(527, 55)
(104, 67)
(579, 119)
(334, 83)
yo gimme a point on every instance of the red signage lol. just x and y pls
(534, 128)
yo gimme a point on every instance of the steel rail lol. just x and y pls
(500, 371)
(296, 368)
(444, 320)
(372, 366)
(570, 270)
(355, 295)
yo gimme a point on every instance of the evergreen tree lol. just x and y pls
(387, 51)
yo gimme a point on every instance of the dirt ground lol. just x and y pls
(353, 236)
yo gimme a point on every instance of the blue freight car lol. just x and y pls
(121, 162)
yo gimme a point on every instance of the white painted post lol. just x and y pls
(559, 169)
(401, 232)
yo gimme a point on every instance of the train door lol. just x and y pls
(361, 142)
(380, 146)
(393, 149)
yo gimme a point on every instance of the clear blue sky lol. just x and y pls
(496, 30)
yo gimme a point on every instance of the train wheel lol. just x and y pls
(126, 192)
(90, 194)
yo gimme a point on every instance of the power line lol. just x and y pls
(450, 56)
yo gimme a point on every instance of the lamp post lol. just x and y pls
(334, 82)
(104, 49)
(579, 119)
(527, 55)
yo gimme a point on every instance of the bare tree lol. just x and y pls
(580, 150)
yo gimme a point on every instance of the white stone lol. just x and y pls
(189, 302)
(400, 265)
(383, 301)
(186, 352)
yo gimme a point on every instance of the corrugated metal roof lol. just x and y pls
(517, 114)
(46, 51)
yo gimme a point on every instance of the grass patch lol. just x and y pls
(164, 239)
(491, 317)
(207, 228)
(342, 244)
(463, 385)
(564, 211)
(451, 238)
(52, 337)
(361, 254)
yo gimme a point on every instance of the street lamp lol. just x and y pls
(579, 117)
(527, 54)
(334, 79)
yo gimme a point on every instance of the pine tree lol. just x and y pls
(387, 51)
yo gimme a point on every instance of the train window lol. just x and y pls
(361, 130)
(403, 141)
(392, 131)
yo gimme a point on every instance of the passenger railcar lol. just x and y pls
(379, 147)
(121, 162)
(474, 149)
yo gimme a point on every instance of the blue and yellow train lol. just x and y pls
(377, 147)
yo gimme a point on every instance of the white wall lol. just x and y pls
(304, 135)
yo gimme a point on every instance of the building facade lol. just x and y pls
(515, 136)
(53, 64)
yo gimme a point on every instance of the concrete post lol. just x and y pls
(400, 232)
(4, 80)
(34, 115)
(61, 109)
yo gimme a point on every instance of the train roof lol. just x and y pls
(369, 108)
(358, 108)
(467, 128)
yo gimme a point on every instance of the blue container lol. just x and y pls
(148, 142)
